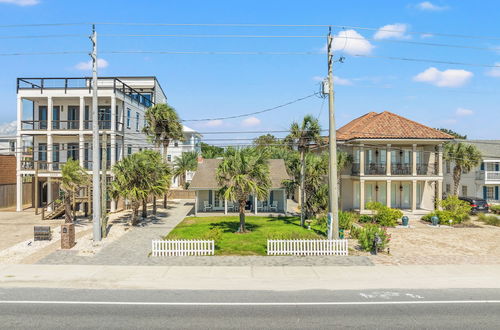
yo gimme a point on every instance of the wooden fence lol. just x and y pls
(319, 247)
(181, 194)
(161, 248)
(8, 194)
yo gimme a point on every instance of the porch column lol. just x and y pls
(388, 193)
(414, 160)
(225, 206)
(440, 160)
(388, 160)
(19, 192)
(113, 113)
(361, 195)
(50, 110)
(82, 113)
(362, 160)
(439, 196)
(196, 202)
(414, 195)
(255, 204)
(50, 151)
(81, 151)
(49, 193)
(284, 202)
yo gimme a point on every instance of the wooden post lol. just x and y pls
(36, 188)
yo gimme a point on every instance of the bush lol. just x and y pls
(459, 210)
(365, 218)
(495, 209)
(491, 220)
(384, 216)
(367, 234)
(346, 219)
(294, 235)
(214, 234)
(354, 232)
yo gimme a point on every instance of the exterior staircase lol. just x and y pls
(56, 209)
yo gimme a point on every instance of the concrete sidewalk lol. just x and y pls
(250, 277)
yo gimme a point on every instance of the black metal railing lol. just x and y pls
(375, 169)
(34, 125)
(427, 169)
(401, 169)
(355, 169)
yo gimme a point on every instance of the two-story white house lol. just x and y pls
(483, 181)
(190, 143)
(395, 161)
(56, 114)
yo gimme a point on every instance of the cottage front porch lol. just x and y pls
(210, 202)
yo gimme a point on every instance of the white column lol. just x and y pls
(81, 149)
(113, 113)
(362, 160)
(388, 160)
(82, 113)
(440, 160)
(50, 110)
(255, 204)
(439, 192)
(50, 150)
(388, 195)
(19, 178)
(414, 160)
(414, 195)
(196, 202)
(361, 195)
(225, 206)
(284, 201)
(49, 193)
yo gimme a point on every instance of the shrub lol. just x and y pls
(495, 209)
(491, 220)
(346, 220)
(354, 232)
(294, 235)
(367, 234)
(214, 234)
(365, 218)
(384, 216)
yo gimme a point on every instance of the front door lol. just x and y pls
(42, 117)
(73, 117)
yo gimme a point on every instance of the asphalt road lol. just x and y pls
(134, 309)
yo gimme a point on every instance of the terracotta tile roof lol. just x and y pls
(387, 125)
(204, 178)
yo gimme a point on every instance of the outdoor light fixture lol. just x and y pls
(376, 188)
(401, 152)
(376, 152)
(400, 187)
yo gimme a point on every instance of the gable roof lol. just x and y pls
(387, 125)
(489, 148)
(205, 177)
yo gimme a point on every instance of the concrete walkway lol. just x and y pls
(134, 247)
(250, 277)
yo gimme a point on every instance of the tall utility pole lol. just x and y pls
(96, 193)
(333, 194)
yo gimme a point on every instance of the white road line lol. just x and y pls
(327, 303)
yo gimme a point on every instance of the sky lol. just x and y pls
(461, 97)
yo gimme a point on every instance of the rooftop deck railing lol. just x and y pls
(85, 83)
(34, 125)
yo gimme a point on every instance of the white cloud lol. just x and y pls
(429, 6)
(351, 42)
(214, 123)
(8, 128)
(463, 112)
(336, 80)
(446, 78)
(85, 66)
(392, 31)
(494, 72)
(22, 3)
(251, 121)
(426, 35)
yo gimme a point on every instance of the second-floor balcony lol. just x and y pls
(43, 125)
(396, 169)
(488, 176)
(55, 166)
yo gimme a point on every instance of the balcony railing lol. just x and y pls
(427, 169)
(488, 175)
(401, 169)
(375, 169)
(355, 169)
(45, 166)
(85, 83)
(42, 125)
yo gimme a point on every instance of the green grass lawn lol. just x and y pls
(252, 243)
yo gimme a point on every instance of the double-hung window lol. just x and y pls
(137, 116)
(128, 118)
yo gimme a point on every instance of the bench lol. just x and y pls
(42, 233)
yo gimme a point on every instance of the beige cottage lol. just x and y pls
(396, 161)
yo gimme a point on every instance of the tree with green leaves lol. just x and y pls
(73, 177)
(453, 133)
(465, 157)
(209, 151)
(162, 126)
(265, 141)
(302, 135)
(187, 161)
(243, 172)
(139, 176)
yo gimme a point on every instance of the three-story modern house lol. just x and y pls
(56, 113)
(395, 161)
(484, 180)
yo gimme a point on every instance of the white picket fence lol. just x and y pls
(317, 247)
(161, 248)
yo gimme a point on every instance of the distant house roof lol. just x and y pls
(387, 125)
(205, 177)
(489, 148)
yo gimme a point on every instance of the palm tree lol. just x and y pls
(243, 172)
(138, 176)
(73, 176)
(187, 161)
(302, 136)
(162, 126)
(465, 157)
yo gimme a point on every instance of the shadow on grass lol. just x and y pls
(232, 226)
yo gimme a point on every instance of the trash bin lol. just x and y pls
(435, 220)
(341, 234)
(405, 220)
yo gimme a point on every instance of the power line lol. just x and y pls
(44, 53)
(44, 36)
